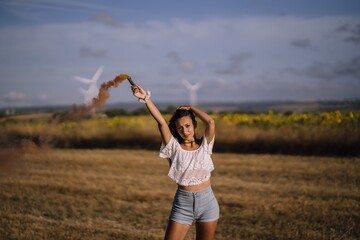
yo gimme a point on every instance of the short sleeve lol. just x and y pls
(208, 146)
(168, 150)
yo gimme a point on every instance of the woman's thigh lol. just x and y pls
(176, 231)
(205, 230)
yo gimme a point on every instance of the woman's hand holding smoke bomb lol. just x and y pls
(138, 91)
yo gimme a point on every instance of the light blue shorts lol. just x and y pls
(200, 206)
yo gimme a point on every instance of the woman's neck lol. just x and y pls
(189, 143)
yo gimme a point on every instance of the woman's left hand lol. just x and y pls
(138, 92)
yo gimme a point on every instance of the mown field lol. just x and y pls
(126, 194)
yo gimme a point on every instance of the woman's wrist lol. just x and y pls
(147, 97)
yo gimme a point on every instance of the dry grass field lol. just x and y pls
(126, 194)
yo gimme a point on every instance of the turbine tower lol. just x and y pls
(192, 90)
(93, 90)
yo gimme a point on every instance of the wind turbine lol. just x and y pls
(192, 90)
(93, 90)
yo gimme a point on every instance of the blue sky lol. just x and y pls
(239, 50)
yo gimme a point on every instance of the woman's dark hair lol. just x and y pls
(179, 113)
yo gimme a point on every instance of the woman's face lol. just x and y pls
(185, 128)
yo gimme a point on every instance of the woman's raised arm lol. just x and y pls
(154, 111)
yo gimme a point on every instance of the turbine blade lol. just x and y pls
(196, 86)
(187, 84)
(191, 87)
(83, 91)
(97, 74)
(83, 80)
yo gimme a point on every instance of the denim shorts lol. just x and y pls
(200, 206)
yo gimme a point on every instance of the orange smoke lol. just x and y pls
(101, 98)
(103, 95)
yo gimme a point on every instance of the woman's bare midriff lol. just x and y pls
(196, 187)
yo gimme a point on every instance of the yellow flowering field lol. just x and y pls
(271, 119)
(327, 133)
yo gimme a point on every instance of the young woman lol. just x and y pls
(190, 167)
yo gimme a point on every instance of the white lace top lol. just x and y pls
(188, 167)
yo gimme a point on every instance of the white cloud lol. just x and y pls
(206, 50)
(107, 20)
(92, 53)
(14, 97)
(43, 97)
(303, 43)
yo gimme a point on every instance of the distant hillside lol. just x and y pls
(285, 106)
(247, 107)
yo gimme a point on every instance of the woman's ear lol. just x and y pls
(195, 124)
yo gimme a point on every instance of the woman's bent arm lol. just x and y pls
(209, 121)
